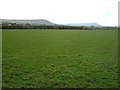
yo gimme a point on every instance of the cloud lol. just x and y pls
(62, 11)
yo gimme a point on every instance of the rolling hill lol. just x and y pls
(35, 22)
(46, 22)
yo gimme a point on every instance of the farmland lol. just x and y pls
(60, 58)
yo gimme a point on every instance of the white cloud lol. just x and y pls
(62, 11)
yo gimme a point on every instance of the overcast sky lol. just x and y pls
(104, 12)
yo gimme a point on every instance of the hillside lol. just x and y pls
(84, 24)
(45, 22)
(35, 22)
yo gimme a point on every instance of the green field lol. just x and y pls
(60, 58)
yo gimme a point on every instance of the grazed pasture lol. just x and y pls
(60, 58)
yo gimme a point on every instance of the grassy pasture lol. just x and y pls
(59, 59)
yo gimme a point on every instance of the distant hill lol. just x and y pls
(35, 22)
(84, 24)
(45, 22)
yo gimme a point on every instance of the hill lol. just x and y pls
(45, 22)
(84, 24)
(35, 22)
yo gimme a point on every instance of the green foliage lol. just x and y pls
(57, 59)
(32, 26)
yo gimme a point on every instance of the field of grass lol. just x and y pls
(60, 59)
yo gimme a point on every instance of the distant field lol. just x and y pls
(56, 59)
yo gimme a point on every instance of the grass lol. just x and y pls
(60, 59)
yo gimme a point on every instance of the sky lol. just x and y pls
(103, 12)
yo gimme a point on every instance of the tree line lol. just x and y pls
(32, 26)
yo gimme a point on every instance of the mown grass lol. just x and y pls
(60, 59)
